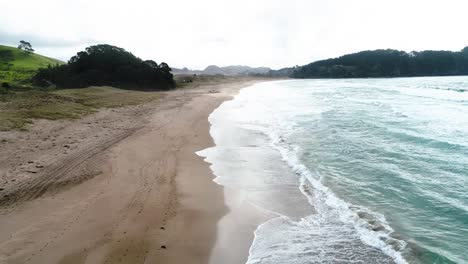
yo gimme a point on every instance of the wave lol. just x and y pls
(338, 217)
(287, 120)
(425, 141)
(458, 94)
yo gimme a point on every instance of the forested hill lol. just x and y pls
(387, 63)
(104, 64)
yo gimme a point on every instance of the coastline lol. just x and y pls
(132, 201)
(257, 159)
(258, 186)
(200, 235)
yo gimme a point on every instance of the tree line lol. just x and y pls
(387, 63)
(104, 64)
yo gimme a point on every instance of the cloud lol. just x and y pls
(274, 33)
(12, 39)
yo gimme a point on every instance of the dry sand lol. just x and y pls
(122, 186)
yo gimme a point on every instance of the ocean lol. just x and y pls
(356, 170)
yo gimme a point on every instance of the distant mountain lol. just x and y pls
(185, 71)
(235, 70)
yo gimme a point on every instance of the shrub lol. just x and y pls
(6, 85)
(4, 88)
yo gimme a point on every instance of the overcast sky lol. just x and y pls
(197, 33)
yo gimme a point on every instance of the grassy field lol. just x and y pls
(21, 66)
(18, 109)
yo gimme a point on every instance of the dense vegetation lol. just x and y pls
(388, 63)
(107, 65)
(18, 66)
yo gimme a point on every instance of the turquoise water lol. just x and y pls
(383, 162)
(398, 147)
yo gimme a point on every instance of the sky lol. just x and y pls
(272, 33)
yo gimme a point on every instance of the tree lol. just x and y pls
(163, 66)
(107, 65)
(151, 63)
(26, 46)
(463, 62)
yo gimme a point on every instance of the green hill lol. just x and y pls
(17, 66)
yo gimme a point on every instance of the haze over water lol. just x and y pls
(382, 162)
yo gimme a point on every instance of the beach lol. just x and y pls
(244, 170)
(124, 185)
(340, 161)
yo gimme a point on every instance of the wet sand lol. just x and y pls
(130, 189)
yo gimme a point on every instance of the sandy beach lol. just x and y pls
(123, 185)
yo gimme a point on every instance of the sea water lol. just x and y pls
(381, 166)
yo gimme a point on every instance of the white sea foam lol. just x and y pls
(339, 232)
(371, 227)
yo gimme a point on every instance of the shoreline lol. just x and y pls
(256, 156)
(129, 201)
(252, 194)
